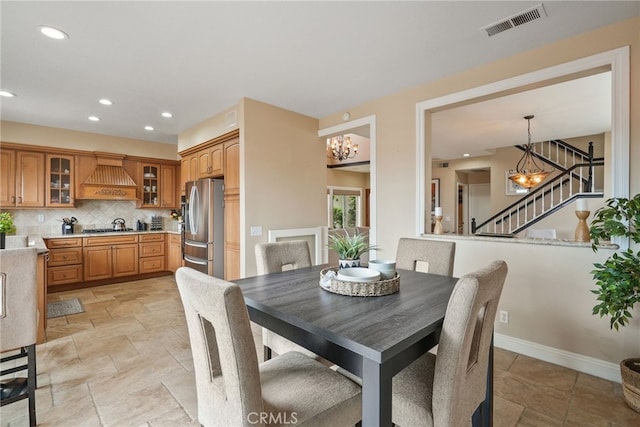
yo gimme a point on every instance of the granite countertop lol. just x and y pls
(23, 241)
(113, 233)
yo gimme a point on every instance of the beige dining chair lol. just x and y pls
(274, 258)
(427, 256)
(233, 389)
(447, 388)
(18, 326)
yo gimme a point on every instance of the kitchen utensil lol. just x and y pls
(118, 224)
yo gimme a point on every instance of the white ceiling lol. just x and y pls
(196, 59)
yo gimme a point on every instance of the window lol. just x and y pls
(344, 207)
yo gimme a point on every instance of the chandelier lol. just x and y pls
(340, 148)
(528, 173)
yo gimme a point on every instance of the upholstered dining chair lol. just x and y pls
(427, 256)
(273, 258)
(18, 326)
(447, 388)
(233, 389)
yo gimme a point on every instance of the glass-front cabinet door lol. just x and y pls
(150, 185)
(60, 184)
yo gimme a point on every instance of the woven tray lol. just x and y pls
(359, 289)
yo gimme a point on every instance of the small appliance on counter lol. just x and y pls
(119, 224)
(141, 226)
(156, 222)
(67, 225)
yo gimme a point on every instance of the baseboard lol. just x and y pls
(588, 365)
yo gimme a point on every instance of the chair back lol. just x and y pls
(460, 377)
(278, 256)
(224, 355)
(19, 298)
(428, 256)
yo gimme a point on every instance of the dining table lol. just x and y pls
(373, 337)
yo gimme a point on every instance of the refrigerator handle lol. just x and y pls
(193, 210)
(195, 260)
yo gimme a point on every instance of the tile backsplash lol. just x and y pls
(90, 214)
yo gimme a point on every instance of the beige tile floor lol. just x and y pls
(126, 361)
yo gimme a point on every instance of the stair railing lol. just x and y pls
(576, 181)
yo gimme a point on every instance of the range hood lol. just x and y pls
(108, 181)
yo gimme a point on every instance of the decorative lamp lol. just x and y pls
(582, 229)
(437, 215)
(340, 148)
(528, 173)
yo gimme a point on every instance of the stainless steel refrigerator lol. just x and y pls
(203, 232)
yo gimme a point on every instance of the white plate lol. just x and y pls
(358, 274)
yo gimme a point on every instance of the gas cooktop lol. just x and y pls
(104, 230)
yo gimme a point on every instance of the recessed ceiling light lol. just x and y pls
(105, 101)
(149, 128)
(94, 118)
(466, 155)
(167, 114)
(53, 33)
(7, 94)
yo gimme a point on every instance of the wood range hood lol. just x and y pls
(108, 181)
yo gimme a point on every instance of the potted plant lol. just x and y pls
(618, 279)
(6, 227)
(349, 248)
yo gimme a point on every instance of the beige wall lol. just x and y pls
(396, 195)
(22, 133)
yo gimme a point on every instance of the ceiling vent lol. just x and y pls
(532, 14)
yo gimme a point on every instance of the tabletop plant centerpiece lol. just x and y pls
(349, 248)
(618, 279)
(6, 227)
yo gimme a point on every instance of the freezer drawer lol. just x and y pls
(199, 264)
(201, 250)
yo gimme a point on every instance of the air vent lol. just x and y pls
(444, 165)
(532, 14)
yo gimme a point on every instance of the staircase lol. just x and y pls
(576, 180)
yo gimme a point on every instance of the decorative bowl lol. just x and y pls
(358, 274)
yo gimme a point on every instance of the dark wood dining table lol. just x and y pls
(371, 337)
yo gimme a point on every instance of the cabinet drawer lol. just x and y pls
(111, 240)
(66, 256)
(151, 249)
(64, 243)
(156, 237)
(64, 274)
(151, 264)
(174, 238)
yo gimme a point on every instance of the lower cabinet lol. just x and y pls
(106, 257)
(65, 261)
(174, 253)
(151, 249)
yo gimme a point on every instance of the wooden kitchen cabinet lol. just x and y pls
(168, 186)
(112, 256)
(59, 181)
(232, 209)
(151, 250)
(211, 162)
(23, 183)
(174, 252)
(65, 261)
(188, 171)
(150, 185)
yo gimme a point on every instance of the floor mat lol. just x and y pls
(64, 308)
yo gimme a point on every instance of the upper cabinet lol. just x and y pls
(150, 184)
(158, 186)
(211, 162)
(59, 181)
(22, 179)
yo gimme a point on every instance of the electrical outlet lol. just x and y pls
(40, 218)
(256, 230)
(504, 316)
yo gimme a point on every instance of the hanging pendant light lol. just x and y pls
(528, 173)
(340, 148)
